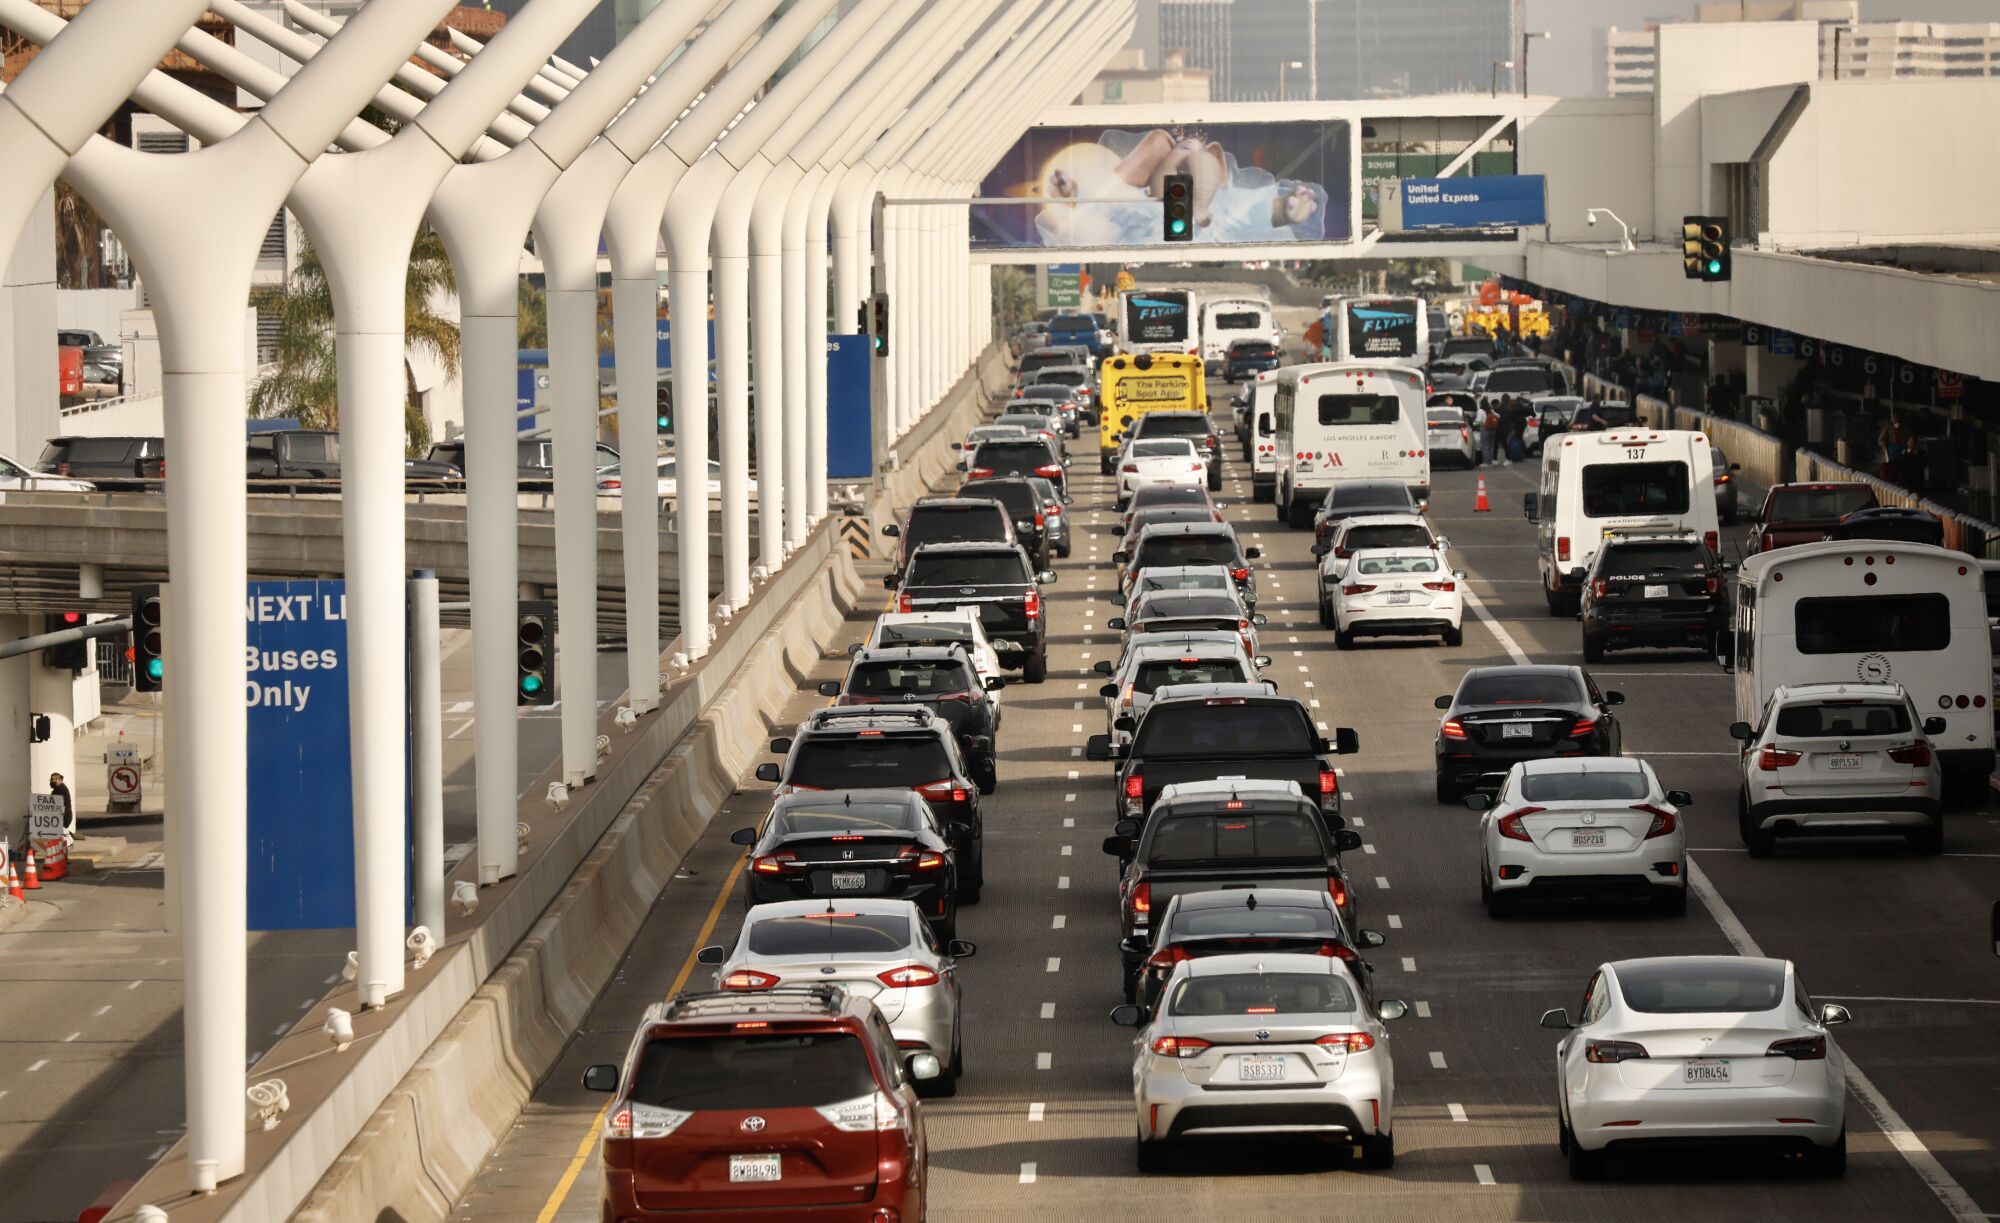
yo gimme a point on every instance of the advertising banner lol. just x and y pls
(1501, 201)
(1087, 186)
(1382, 329)
(1156, 317)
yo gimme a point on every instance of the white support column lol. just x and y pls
(16, 704)
(52, 693)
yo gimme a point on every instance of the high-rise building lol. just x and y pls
(1406, 48)
(1628, 61)
(1202, 28)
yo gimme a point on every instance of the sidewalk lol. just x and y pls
(137, 719)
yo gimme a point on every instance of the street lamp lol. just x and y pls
(1524, 57)
(1282, 65)
(1498, 64)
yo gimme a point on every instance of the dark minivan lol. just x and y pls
(112, 463)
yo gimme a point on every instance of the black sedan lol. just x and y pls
(837, 844)
(1502, 715)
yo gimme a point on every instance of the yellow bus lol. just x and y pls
(1131, 386)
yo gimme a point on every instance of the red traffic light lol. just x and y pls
(72, 619)
(1177, 191)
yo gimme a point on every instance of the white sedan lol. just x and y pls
(1396, 591)
(959, 626)
(1450, 436)
(1704, 1049)
(1159, 460)
(14, 477)
(611, 479)
(1582, 826)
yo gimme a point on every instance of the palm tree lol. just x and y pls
(303, 384)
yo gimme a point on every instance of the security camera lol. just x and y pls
(558, 795)
(352, 968)
(339, 1028)
(269, 1099)
(422, 945)
(603, 746)
(1590, 217)
(626, 718)
(465, 896)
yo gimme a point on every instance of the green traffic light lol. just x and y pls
(531, 684)
(1714, 266)
(1177, 225)
(155, 668)
(660, 423)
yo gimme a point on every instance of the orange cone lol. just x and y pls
(33, 881)
(14, 885)
(1480, 505)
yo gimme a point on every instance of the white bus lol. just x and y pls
(1875, 611)
(1225, 320)
(1379, 330)
(1158, 320)
(1619, 479)
(1261, 449)
(1333, 422)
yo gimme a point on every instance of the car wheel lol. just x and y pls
(1325, 614)
(1454, 637)
(1448, 790)
(1673, 902)
(1929, 839)
(1297, 516)
(1762, 843)
(1829, 1161)
(947, 929)
(1585, 1165)
(943, 1087)
(1377, 1153)
(1562, 1135)
(1118, 505)
(973, 880)
(1065, 550)
(1152, 1155)
(1342, 639)
(1262, 492)
(1104, 466)
(1215, 476)
(1554, 601)
(1037, 667)
(1498, 904)
(1593, 647)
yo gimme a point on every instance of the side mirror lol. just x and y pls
(1118, 528)
(1736, 467)
(1046, 577)
(1557, 1019)
(854, 649)
(1458, 575)
(1345, 741)
(1369, 940)
(1259, 619)
(1115, 624)
(1118, 847)
(1443, 544)
(1934, 726)
(1478, 802)
(1126, 723)
(1097, 747)
(1743, 732)
(1108, 691)
(957, 446)
(1065, 461)
(1119, 558)
(993, 683)
(1253, 552)
(1321, 548)
(1068, 500)
(1614, 698)
(1347, 840)
(1128, 1016)
(1529, 510)
(1443, 702)
(1391, 1008)
(711, 955)
(1126, 828)
(961, 949)
(889, 581)
(768, 772)
(925, 1066)
(1680, 798)
(602, 1077)
(780, 746)
(892, 531)
(743, 836)
(1104, 667)
(829, 687)
(1262, 661)
(1831, 1015)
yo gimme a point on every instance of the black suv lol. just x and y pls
(114, 464)
(1019, 457)
(940, 678)
(947, 520)
(872, 747)
(886, 843)
(1195, 426)
(1657, 589)
(1503, 715)
(997, 579)
(1027, 505)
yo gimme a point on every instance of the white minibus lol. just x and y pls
(1225, 320)
(1262, 448)
(1618, 479)
(1333, 422)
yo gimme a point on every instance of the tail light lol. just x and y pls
(1711, 585)
(773, 864)
(876, 1112)
(1709, 538)
(1464, 435)
(942, 790)
(1664, 821)
(1771, 759)
(1329, 782)
(903, 603)
(1452, 729)
(1214, 442)
(1336, 887)
(1040, 519)
(1242, 626)
(1196, 466)
(618, 1123)
(1336, 951)
(1051, 470)
(1349, 1042)
(979, 472)
(1343, 553)
(1135, 786)
(1510, 823)
(1142, 898)
(1356, 588)
(909, 976)
(610, 485)
(920, 860)
(1031, 607)
(1584, 726)
(1053, 510)
(1179, 1046)
(1167, 957)
(1918, 753)
(1799, 1049)
(1607, 1052)
(1441, 585)
(1599, 587)
(1125, 697)
(1130, 468)
(1722, 477)
(746, 980)
(956, 698)
(1562, 547)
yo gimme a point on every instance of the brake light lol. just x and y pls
(1336, 887)
(1349, 1042)
(1771, 758)
(1167, 957)
(909, 976)
(1051, 470)
(1195, 466)
(1214, 441)
(1918, 753)
(1584, 726)
(1129, 468)
(1510, 823)
(978, 472)
(1356, 588)
(1768, 542)
(1709, 538)
(610, 484)
(1799, 1048)
(1606, 1052)
(1599, 587)
(1239, 575)
(1135, 786)
(1664, 821)
(746, 980)
(773, 864)
(1179, 1046)
(1142, 898)
(1711, 585)
(1336, 951)
(1446, 585)
(920, 860)
(1343, 553)
(1125, 697)
(1329, 782)
(1452, 729)
(1464, 435)
(946, 788)
(1562, 547)
(1040, 521)
(1054, 510)
(618, 1124)
(1722, 477)
(1031, 607)
(903, 603)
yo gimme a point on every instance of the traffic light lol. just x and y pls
(149, 666)
(70, 655)
(881, 324)
(534, 646)
(1705, 248)
(1177, 198)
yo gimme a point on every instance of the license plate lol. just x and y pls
(1705, 1070)
(1844, 760)
(745, 1168)
(1398, 597)
(1587, 838)
(1516, 730)
(1656, 592)
(849, 881)
(1260, 1069)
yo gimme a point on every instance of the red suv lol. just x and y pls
(786, 1103)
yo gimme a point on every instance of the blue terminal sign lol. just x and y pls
(1499, 201)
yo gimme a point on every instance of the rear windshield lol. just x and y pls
(1390, 566)
(1390, 498)
(1187, 550)
(1187, 624)
(1153, 676)
(940, 524)
(1236, 320)
(1518, 379)
(920, 633)
(1243, 919)
(969, 569)
(1169, 494)
(1163, 449)
(1246, 730)
(1177, 603)
(1252, 348)
(1621, 786)
(775, 1070)
(922, 679)
(1160, 425)
(844, 763)
(829, 933)
(1337, 410)
(1066, 376)
(1045, 360)
(1819, 504)
(1652, 558)
(1519, 690)
(1166, 515)
(848, 817)
(1268, 837)
(1262, 993)
(1667, 988)
(1407, 535)
(1018, 498)
(1863, 624)
(1611, 489)
(1013, 455)
(1031, 421)
(1444, 418)
(91, 450)
(1817, 718)
(1210, 580)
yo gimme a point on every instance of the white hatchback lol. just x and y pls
(1159, 460)
(1449, 435)
(1397, 591)
(1699, 1049)
(1582, 826)
(1840, 760)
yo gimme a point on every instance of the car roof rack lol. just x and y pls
(917, 714)
(826, 999)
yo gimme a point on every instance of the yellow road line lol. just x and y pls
(560, 1193)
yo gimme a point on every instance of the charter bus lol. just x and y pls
(1875, 611)
(1131, 386)
(1159, 320)
(1332, 422)
(1225, 320)
(1615, 480)
(1377, 330)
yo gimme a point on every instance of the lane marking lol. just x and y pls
(137, 984)
(1358, 822)
(1055, 964)
(1457, 1111)
(1437, 1060)
(1035, 1111)
(1028, 1173)
(1069, 798)
(1045, 1061)
(1941, 1183)
(1048, 1010)
(1067, 849)
(1072, 774)
(1062, 883)
(72, 1036)
(1409, 963)
(1395, 922)
(1058, 922)
(100, 1011)
(1369, 848)
(1382, 882)
(38, 1065)
(1484, 1174)
(1423, 1009)
(1500, 632)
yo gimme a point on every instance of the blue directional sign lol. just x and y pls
(1497, 201)
(850, 420)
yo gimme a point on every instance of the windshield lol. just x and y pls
(1390, 566)
(1651, 558)
(1270, 838)
(1018, 498)
(1235, 320)
(1277, 729)
(937, 524)
(845, 763)
(1819, 504)
(1262, 993)
(830, 933)
(1213, 579)
(771, 1070)
(1013, 456)
(1814, 719)
(921, 679)
(1665, 987)
(1624, 785)
(1863, 624)
(1153, 676)
(1186, 550)
(969, 569)
(1401, 536)
(1337, 410)
(1610, 489)
(864, 816)
(1518, 379)
(1519, 690)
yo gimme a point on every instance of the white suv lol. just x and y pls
(1840, 759)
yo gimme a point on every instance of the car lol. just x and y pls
(1067, 404)
(611, 479)
(879, 948)
(1355, 498)
(1725, 486)
(1048, 412)
(1168, 460)
(1166, 496)
(1195, 426)
(1471, 349)
(852, 843)
(1652, 588)
(1675, 1051)
(1582, 826)
(1249, 735)
(1000, 581)
(1026, 336)
(1080, 381)
(813, 1070)
(1897, 523)
(1176, 611)
(1053, 355)
(949, 520)
(114, 464)
(1248, 358)
(984, 433)
(1176, 577)
(1030, 508)
(1801, 513)
(1259, 1044)
(14, 477)
(941, 678)
(534, 460)
(1840, 759)
(1160, 660)
(1368, 531)
(873, 747)
(1189, 543)
(1264, 920)
(1502, 715)
(1055, 523)
(1022, 456)
(1525, 376)
(1448, 435)
(958, 626)
(1397, 592)
(1034, 424)
(1551, 415)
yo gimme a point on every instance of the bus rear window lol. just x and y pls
(1864, 624)
(1359, 410)
(1612, 489)
(1236, 320)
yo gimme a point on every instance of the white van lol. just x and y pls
(1333, 422)
(1261, 448)
(1877, 612)
(1226, 320)
(1652, 479)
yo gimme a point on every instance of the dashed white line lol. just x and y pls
(1028, 1173)
(100, 1011)
(1315, 702)
(1369, 848)
(1062, 883)
(38, 1065)
(1035, 1111)
(281, 1029)
(1457, 1111)
(1358, 822)
(1067, 850)
(1395, 922)
(1437, 1060)
(1045, 1061)
(1055, 964)
(1423, 1009)
(1069, 798)
(1409, 963)
(136, 984)
(155, 1153)
(1076, 729)
(1484, 1174)
(1079, 704)
(1072, 774)
(1069, 821)
(72, 1036)
(1048, 1010)
(1058, 921)
(1382, 882)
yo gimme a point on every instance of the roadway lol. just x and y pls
(1043, 1121)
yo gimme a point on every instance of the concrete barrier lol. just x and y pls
(1961, 531)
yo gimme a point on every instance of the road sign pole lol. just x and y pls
(426, 755)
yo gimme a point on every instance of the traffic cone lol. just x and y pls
(14, 885)
(1480, 505)
(33, 882)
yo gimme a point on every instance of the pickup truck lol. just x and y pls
(1806, 513)
(1230, 733)
(309, 458)
(1218, 835)
(995, 579)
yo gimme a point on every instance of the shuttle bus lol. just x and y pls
(1873, 611)
(1378, 331)
(1619, 479)
(1332, 422)
(1225, 320)
(1158, 320)
(1131, 386)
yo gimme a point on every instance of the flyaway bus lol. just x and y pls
(1158, 320)
(1131, 386)
(1378, 331)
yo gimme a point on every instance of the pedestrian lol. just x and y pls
(1489, 434)
(1891, 443)
(60, 788)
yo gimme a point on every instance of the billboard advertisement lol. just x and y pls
(1155, 318)
(1096, 186)
(1383, 329)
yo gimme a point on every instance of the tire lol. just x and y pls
(1929, 840)
(1673, 902)
(943, 1087)
(1298, 517)
(1593, 647)
(1215, 475)
(1262, 492)
(1036, 669)
(1760, 843)
(1554, 601)
(1377, 1153)
(1829, 1162)
(1585, 1165)
(1118, 504)
(1325, 614)
(1342, 639)
(1448, 790)
(1454, 637)
(975, 879)
(1104, 466)
(947, 930)
(1151, 1155)
(1498, 904)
